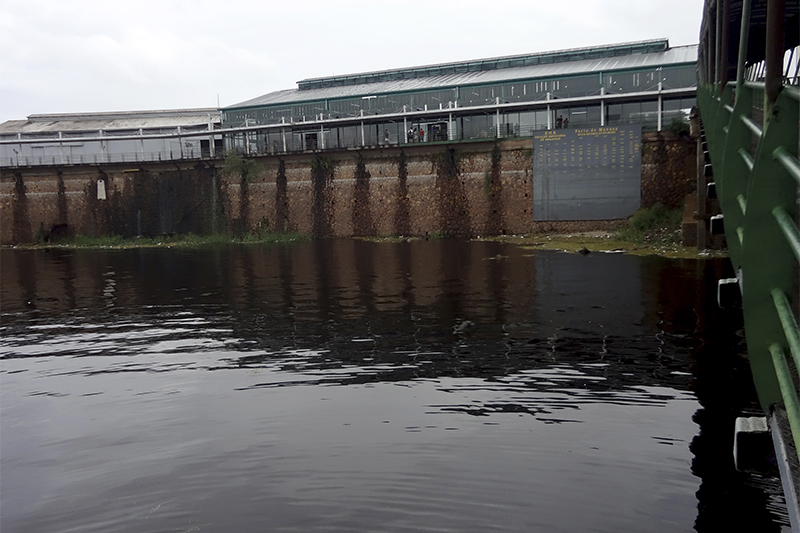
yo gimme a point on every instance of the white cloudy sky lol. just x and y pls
(65, 56)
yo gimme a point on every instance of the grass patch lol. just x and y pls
(607, 243)
(94, 242)
(185, 240)
(655, 225)
(652, 231)
(266, 237)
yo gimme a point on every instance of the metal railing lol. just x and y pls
(255, 142)
(95, 159)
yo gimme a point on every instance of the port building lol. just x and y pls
(110, 137)
(647, 82)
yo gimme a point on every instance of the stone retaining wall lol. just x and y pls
(462, 189)
(669, 167)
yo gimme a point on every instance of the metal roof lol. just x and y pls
(672, 56)
(130, 120)
(492, 63)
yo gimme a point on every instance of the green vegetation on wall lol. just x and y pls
(653, 225)
(237, 166)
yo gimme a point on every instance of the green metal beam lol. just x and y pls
(789, 324)
(788, 392)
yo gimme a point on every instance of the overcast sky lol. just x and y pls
(70, 56)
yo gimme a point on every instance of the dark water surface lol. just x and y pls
(351, 386)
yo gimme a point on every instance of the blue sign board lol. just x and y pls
(587, 173)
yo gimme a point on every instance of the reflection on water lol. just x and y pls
(346, 385)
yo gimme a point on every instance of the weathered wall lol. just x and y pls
(473, 189)
(38, 203)
(669, 168)
(467, 189)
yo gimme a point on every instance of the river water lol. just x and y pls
(342, 385)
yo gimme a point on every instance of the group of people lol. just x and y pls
(416, 135)
(562, 122)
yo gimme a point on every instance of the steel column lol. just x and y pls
(774, 54)
(744, 37)
(724, 39)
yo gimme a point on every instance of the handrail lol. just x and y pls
(758, 85)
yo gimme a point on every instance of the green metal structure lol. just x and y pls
(757, 193)
(751, 130)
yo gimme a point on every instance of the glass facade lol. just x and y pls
(646, 80)
(467, 111)
(466, 126)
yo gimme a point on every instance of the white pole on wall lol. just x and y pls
(211, 137)
(102, 146)
(180, 142)
(549, 114)
(450, 133)
(602, 107)
(497, 103)
(659, 106)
